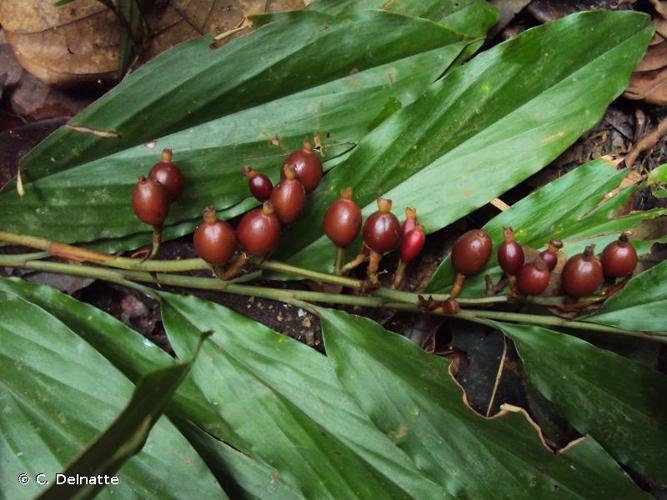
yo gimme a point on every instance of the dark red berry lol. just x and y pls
(288, 197)
(510, 253)
(342, 222)
(412, 244)
(550, 255)
(619, 258)
(471, 252)
(168, 174)
(150, 201)
(214, 240)
(259, 230)
(307, 165)
(260, 185)
(410, 221)
(533, 278)
(382, 231)
(582, 274)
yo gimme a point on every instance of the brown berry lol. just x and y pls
(260, 185)
(550, 255)
(510, 253)
(214, 240)
(412, 244)
(471, 251)
(168, 174)
(342, 222)
(619, 258)
(582, 274)
(307, 165)
(259, 230)
(150, 201)
(533, 278)
(382, 231)
(288, 197)
(410, 221)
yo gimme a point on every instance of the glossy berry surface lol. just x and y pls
(307, 165)
(214, 240)
(288, 197)
(471, 252)
(260, 185)
(259, 230)
(342, 222)
(150, 201)
(619, 258)
(168, 174)
(533, 278)
(582, 274)
(550, 255)
(382, 231)
(410, 221)
(412, 244)
(510, 254)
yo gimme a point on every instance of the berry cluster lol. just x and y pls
(152, 196)
(581, 276)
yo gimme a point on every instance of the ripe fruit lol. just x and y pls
(168, 174)
(510, 253)
(582, 274)
(259, 230)
(471, 252)
(342, 222)
(410, 221)
(288, 197)
(412, 244)
(533, 278)
(307, 165)
(382, 231)
(150, 201)
(550, 255)
(214, 240)
(619, 258)
(260, 185)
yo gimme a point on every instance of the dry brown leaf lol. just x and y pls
(79, 42)
(647, 82)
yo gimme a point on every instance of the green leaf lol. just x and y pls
(130, 30)
(126, 436)
(57, 394)
(135, 356)
(640, 306)
(619, 402)
(416, 401)
(211, 155)
(193, 83)
(472, 17)
(265, 384)
(574, 208)
(484, 127)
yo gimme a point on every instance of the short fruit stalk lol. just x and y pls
(382, 234)
(342, 224)
(150, 202)
(260, 185)
(411, 246)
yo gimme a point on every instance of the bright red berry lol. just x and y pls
(214, 240)
(260, 185)
(288, 197)
(150, 201)
(471, 252)
(582, 274)
(412, 244)
(619, 258)
(168, 174)
(510, 253)
(342, 222)
(382, 231)
(259, 230)
(307, 165)
(533, 278)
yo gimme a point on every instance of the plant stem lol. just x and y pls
(126, 278)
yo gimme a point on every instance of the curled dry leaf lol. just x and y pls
(79, 42)
(649, 80)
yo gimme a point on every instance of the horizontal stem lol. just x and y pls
(126, 277)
